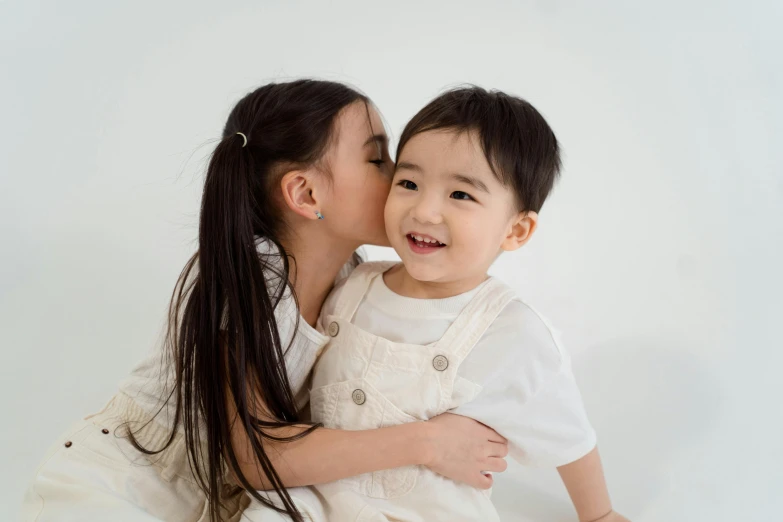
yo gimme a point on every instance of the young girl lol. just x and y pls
(435, 333)
(296, 184)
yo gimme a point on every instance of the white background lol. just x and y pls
(659, 255)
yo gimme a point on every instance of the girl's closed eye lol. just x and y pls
(378, 162)
(384, 166)
(407, 184)
(458, 194)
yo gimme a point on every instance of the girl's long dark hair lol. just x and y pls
(222, 338)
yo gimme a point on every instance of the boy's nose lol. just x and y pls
(428, 211)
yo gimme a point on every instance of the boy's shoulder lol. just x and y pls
(518, 351)
(519, 327)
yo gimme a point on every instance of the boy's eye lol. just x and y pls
(458, 194)
(377, 162)
(409, 185)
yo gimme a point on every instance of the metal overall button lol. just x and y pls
(359, 397)
(440, 363)
(334, 329)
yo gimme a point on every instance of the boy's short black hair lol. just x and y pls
(519, 145)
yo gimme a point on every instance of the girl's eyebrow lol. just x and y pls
(380, 139)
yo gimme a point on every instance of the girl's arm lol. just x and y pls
(454, 446)
(584, 480)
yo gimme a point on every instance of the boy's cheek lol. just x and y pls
(390, 221)
(391, 211)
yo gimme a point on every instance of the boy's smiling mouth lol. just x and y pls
(423, 244)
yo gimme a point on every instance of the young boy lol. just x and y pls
(435, 334)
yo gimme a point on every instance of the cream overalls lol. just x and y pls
(363, 382)
(93, 474)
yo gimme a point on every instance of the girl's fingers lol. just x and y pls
(483, 481)
(497, 449)
(495, 465)
(494, 436)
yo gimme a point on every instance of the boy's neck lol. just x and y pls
(399, 281)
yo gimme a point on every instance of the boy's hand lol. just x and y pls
(584, 480)
(612, 517)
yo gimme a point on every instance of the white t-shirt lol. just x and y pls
(528, 393)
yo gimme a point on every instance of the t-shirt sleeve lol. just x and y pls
(528, 392)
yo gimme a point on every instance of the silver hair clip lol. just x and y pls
(244, 138)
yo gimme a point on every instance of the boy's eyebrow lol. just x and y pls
(459, 178)
(469, 180)
(409, 166)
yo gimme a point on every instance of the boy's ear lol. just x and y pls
(521, 229)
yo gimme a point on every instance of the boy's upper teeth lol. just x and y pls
(425, 240)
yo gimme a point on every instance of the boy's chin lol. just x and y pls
(423, 274)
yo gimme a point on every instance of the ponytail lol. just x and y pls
(223, 338)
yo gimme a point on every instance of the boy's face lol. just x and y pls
(447, 216)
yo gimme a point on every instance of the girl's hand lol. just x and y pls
(463, 449)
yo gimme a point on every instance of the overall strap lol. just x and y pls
(475, 318)
(356, 287)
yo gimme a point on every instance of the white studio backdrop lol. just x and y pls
(659, 255)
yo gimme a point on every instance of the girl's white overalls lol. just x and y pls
(93, 474)
(363, 382)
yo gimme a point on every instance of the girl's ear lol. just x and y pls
(301, 193)
(521, 229)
